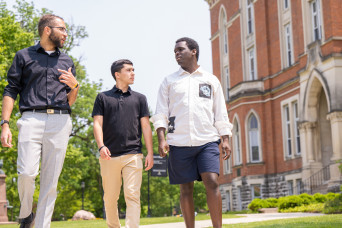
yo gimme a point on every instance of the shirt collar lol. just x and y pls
(40, 49)
(181, 71)
(117, 90)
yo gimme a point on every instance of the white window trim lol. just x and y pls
(295, 178)
(224, 50)
(287, 130)
(285, 21)
(228, 202)
(249, 152)
(227, 164)
(292, 187)
(227, 168)
(226, 81)
(307, 22)
(288, 44)
(236, 120)
(250, 6)
(296, 130)
(252, 191)
(250, 57)
(238, 197)
(289, 102)
(319, 19)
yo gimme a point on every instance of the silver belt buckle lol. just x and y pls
(50, 111)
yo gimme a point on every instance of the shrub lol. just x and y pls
(333, 205)
(319, 198)
(307, 199)
(313, 208)
(256, 204)
(290, 201)
(272, 202)
(331, 195)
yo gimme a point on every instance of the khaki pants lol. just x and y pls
(42, 137)
(129, 168)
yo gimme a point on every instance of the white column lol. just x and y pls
(336, 133)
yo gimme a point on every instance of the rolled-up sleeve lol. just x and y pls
(222, 124)
(13, 77)
(160, 118)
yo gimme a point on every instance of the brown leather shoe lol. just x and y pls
(27, 222)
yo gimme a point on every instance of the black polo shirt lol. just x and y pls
(34, 75)
(121, 119)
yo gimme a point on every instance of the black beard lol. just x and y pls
(55, 40)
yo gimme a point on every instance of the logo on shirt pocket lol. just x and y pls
(171, 127)
(205, 90)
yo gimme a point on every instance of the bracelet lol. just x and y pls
(75, 86)
(101, 147)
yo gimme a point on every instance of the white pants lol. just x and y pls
(41, 137)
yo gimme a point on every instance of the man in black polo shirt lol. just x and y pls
(44, 78)
(121, 115)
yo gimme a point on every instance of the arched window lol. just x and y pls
(224, 35)
(237, 144)
(224, 52)
(254, 139)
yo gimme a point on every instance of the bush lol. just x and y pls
(256, 204)
(290, 201)
(319, 198)
(273, 202)
(313, 208)
(331, 195)
(333, 205)
(307, 199)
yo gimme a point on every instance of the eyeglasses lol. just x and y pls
(62, 29)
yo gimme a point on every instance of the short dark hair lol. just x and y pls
(118, 65)
(191, 43)
(47, 20)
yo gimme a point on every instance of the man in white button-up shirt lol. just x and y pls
(192, 107)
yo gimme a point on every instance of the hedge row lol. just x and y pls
(294, 201)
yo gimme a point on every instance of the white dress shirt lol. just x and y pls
(192, 108)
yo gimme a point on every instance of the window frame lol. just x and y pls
(253, 186)
(316, 15)
(237, 143)
(290, 131)
(251, 64)
(288, 44)
(257, 132)
(250, 17)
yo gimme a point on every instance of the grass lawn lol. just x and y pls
(316, 221)
(99, 223)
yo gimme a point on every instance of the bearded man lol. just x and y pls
(44, 78)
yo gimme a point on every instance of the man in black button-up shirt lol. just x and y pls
(43, 76)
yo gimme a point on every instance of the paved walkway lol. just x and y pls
(245, 219)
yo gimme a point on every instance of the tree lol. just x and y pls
(17, 31)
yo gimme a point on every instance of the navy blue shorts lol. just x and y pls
(185, 164)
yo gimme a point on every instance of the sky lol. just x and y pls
(143, 31)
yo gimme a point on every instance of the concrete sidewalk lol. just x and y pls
(247, 218)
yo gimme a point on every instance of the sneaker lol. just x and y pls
(27, 222)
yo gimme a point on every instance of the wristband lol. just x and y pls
(75, 86)
(101, 148)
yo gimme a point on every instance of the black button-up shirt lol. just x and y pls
(34, 75)
(121, 120)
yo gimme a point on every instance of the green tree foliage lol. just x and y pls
(18, 30)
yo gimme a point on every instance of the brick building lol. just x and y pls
(280, 65)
